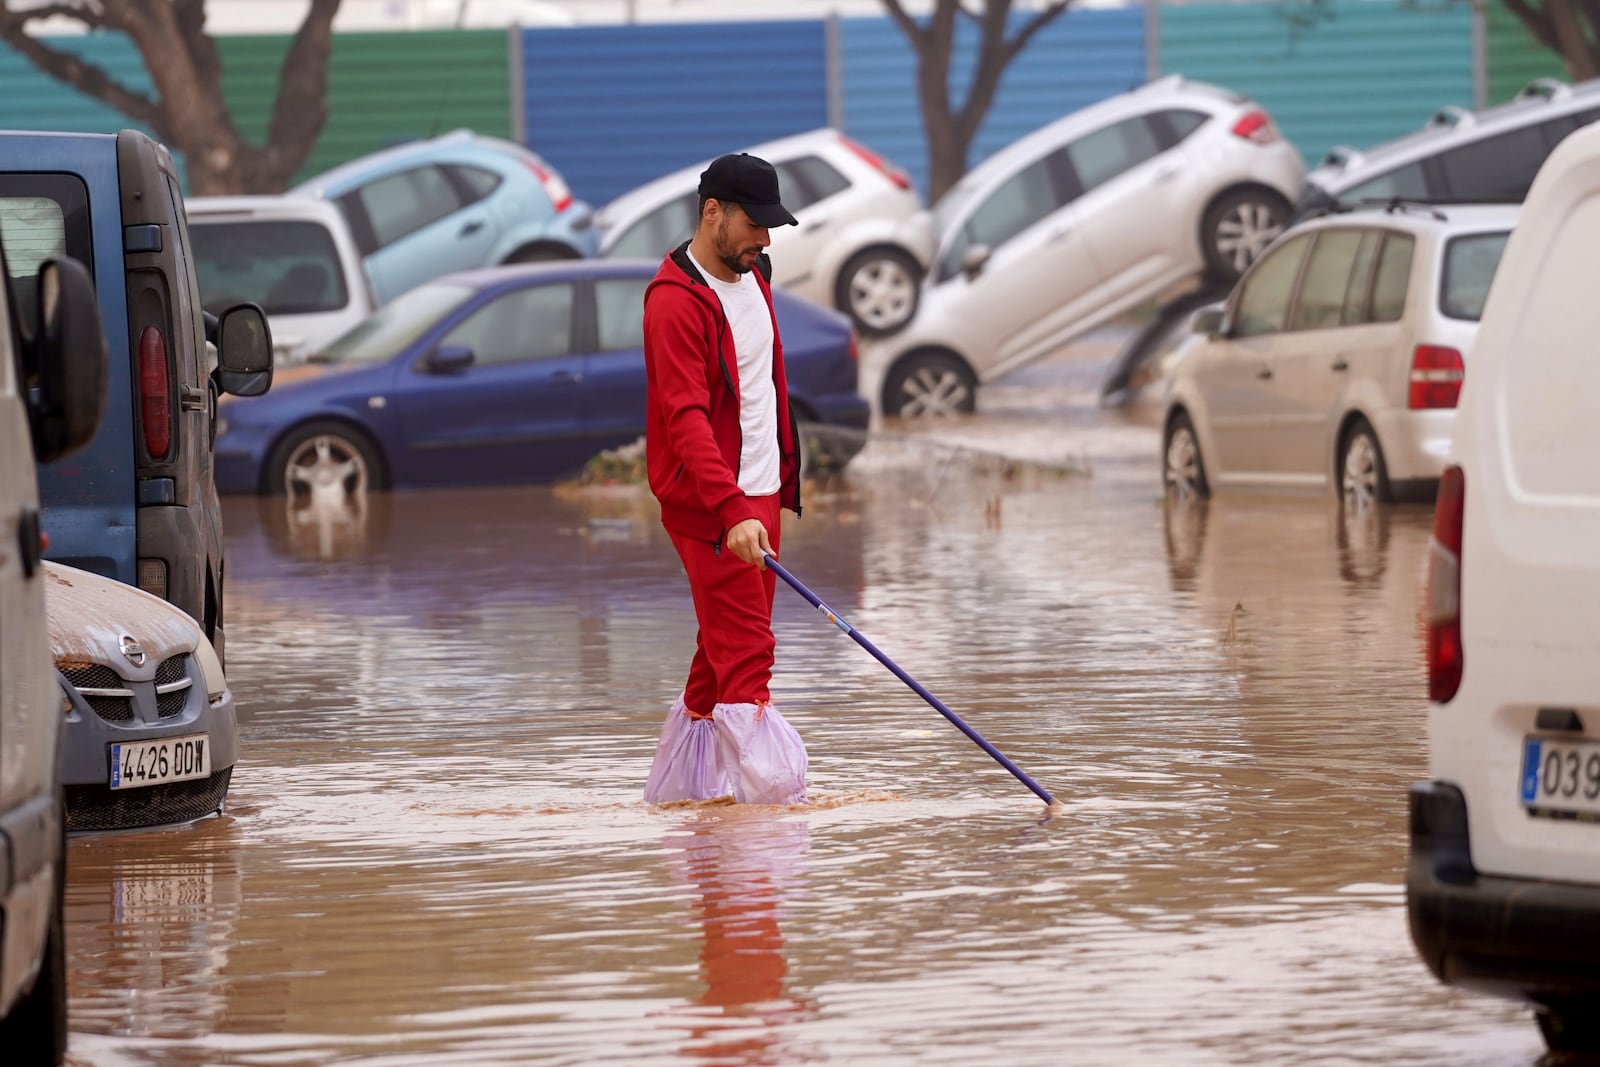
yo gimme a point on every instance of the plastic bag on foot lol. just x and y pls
(688, 763)
(764, 757)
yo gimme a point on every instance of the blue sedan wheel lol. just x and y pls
(325, 461)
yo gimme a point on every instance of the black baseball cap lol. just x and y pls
(750, 182)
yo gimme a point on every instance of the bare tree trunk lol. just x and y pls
(949, 128)
(189, 112)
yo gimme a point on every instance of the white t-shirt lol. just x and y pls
(751, 322)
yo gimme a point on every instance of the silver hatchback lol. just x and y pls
(1338, 357)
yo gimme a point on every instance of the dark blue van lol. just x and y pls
(138, 504)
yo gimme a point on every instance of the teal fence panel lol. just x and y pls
(32, 100)
(1368, 71)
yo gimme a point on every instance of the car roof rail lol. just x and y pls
(1340, 155)
(1453, 116)
(1544, 89)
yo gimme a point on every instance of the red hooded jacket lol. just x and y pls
(693, 439)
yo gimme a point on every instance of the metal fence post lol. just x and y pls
(1152, 39)
(833, 68)
(1480, 55)
(518, 86)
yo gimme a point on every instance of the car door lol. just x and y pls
(659, 231)
(613, 391)
(1136, 229)
(1236, 381)
(1036, 275)
(815, 192)
(418, 225)
(512, 414)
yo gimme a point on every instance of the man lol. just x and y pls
(723, 457)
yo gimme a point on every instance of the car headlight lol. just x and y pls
(211, 670)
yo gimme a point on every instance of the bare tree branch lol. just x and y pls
(907, 24)
(88, 78)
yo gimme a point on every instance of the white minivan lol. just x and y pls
(1503, 887)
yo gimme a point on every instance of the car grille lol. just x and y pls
(113, 698)
(99, 807)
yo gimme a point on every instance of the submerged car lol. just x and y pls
(151, 731)
(1139, 196)
(1337, 360)
(453, 202)
(292, 256)
(500, 376)
(859, 245)
(1460, 156)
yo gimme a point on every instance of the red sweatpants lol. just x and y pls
(733, 605)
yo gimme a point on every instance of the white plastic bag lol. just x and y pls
(763, 755)
(688, 763)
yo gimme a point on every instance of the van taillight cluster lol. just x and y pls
(556, 189)
(155, 411)
(1256, 127)
(1443, 611)
(889, 170)
(1436, 374)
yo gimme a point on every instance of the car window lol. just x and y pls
(1406, 183)
(404, 203)
(1394, 275)
(526, 324)
(1174, 125)
(1020, 201)
(1358, 294)
(1469, 266)
(619, 310)
(1264, 296)
(804, 181)
(477, 182)
(41, 215)
(1102, 155)
(1326, 281)
(396, 326)
(659, 232)
(289, 267)
(1495, 168)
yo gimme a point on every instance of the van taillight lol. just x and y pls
(556, 189)
(1256, 127)
(889, 170)
(154, 410)
(1443, 616)
(1436, 374)
(855, 349)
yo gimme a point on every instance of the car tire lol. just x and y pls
(878, 289)
(1238, 228)
(1363, 475)
(930, 384)
(1183, 468)
(35, 1032)
(319, 456)
(1570, 1029)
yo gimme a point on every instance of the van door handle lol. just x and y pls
(471, 228)
(1264, 373)
(192, 398)
(1340, 365)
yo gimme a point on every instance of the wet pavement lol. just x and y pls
(435, 851)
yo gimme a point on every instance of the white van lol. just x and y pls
(1503, 889)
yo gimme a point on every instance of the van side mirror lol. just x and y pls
(66, 360)
(450, 359)
(1208, 321)
(244, 351)
(974, 259)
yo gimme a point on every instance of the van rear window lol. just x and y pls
(288, 267)
(1469, 266)
(41, 216)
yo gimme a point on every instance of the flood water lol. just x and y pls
(435, 851)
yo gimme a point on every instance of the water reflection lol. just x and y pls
(745, 867)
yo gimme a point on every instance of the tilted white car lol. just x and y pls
(152, 735)
(860, 245)
(1079, 222)
(1338, 358)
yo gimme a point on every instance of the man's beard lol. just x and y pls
(734, 261)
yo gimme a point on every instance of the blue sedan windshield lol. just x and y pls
(396, 326)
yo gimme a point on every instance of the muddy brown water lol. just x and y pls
(435, 851)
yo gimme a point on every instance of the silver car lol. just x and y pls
(859, 246)
(151, 731)
(1459, 156)
(1143, 194)
(1337, 359)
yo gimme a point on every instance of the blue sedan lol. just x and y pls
(504, 375)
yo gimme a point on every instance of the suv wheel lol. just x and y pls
(878, 289)
(1238, 228)
(928, 384)
(1183, 470)
(323, 460)
(1363, 478)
